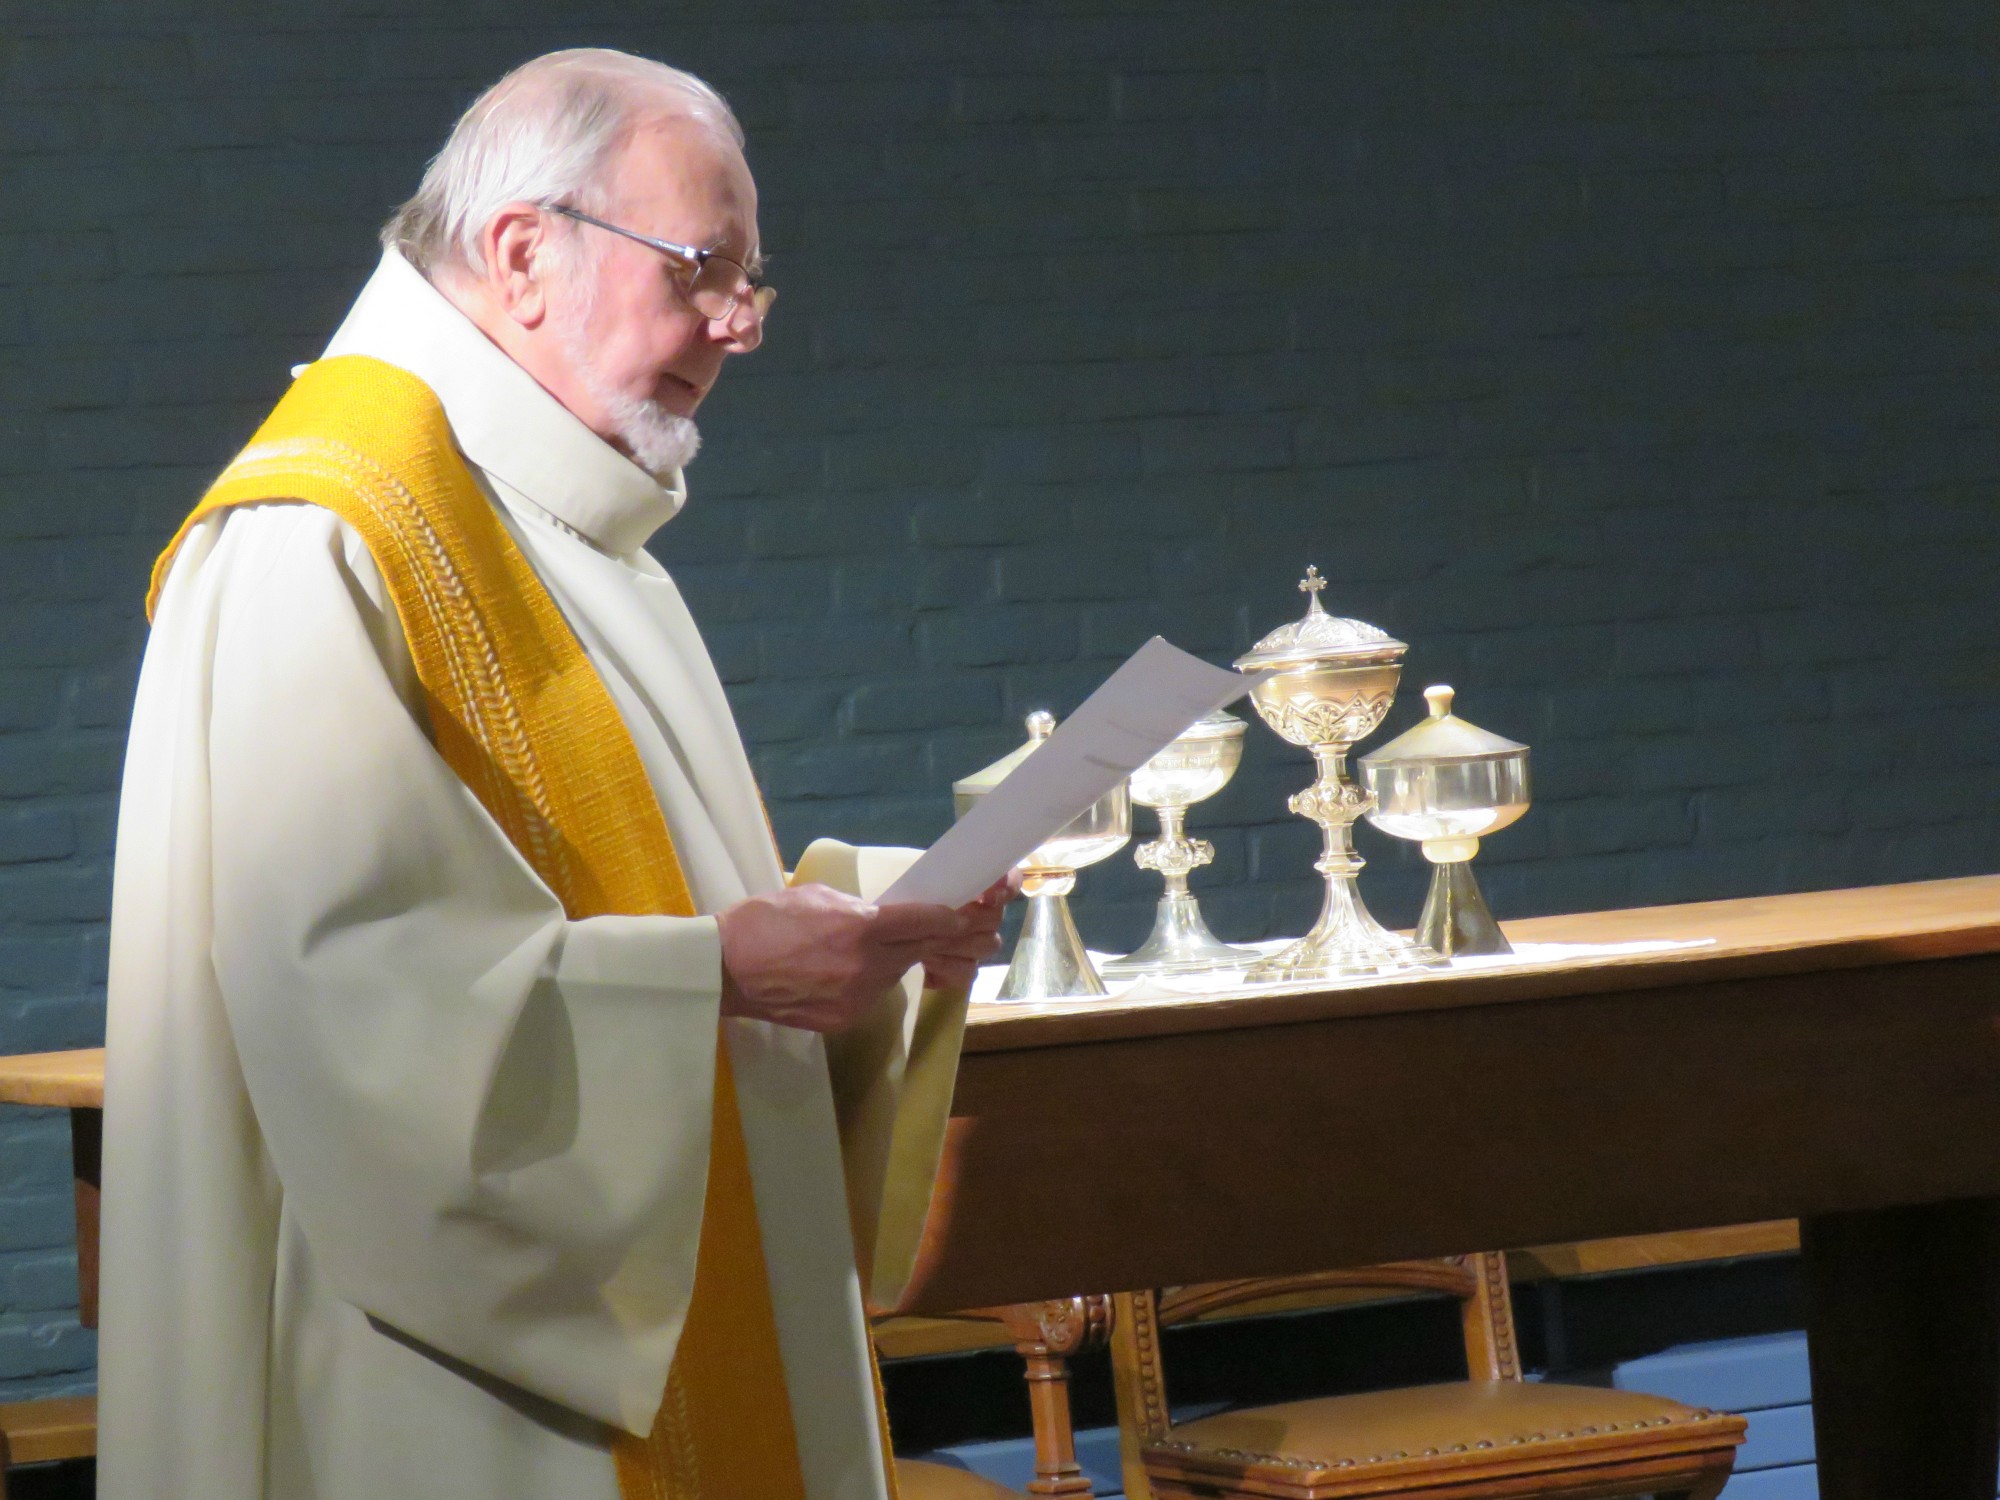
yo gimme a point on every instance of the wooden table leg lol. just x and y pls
(86, 1151)
(1903, 1317)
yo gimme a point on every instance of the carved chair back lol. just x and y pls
(1479, 1282)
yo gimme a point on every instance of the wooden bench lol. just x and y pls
(39, 1432)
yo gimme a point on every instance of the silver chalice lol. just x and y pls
(1449, 784)
(1325, 683)
(1049, 960)
(1192, 769)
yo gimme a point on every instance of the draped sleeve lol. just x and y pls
(490, 1122)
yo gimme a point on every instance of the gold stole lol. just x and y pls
(520, 714)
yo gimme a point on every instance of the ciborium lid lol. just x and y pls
(1320, 637)
(1216, 724)
(1099, 830)
(967, 789)
(1443, 737)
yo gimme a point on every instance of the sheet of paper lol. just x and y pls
(1138, 711)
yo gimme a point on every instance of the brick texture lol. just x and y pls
(1636, 361)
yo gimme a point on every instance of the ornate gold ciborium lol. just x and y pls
(1449, 784)
(1192, 769)
(1049, 960)
(1330, 682)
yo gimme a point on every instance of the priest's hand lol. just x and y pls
(816, 958)
(955, 962)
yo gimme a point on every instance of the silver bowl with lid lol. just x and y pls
(1050, 962)
(1447, 784)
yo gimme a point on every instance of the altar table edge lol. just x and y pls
(1753, 937)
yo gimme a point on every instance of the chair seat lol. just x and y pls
(1445, 1440)
(917, 1480)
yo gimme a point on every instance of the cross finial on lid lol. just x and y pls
(1310, 586)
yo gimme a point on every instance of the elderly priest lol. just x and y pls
(471, 1130)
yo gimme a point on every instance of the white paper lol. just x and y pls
(1138, 711)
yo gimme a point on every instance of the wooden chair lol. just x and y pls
(1493, 1435)
(1045, 1334)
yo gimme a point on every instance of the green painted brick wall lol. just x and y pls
(1633, 360)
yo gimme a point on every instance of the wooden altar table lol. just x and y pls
(1833, 1057)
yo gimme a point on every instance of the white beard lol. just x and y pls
(658, 441)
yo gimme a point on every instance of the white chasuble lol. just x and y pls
(403, 1169)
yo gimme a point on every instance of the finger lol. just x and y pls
(983, 918)
(954, 970)
(974, 948)
(949, 976)
(915, 922)
(997, 894)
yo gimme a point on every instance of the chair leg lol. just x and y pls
(1044, 1334)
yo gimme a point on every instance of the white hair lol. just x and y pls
(548, 132)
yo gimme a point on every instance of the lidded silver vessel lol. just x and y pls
(1049, 961)
(1197, 765)
(1448, 784)
(1328, 682)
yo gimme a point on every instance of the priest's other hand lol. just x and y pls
(954, 964)
(816, 958)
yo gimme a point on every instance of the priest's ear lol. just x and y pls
(516, 253)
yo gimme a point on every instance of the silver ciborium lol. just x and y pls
(1449, 784)
(1049, 959)
(1192, 769)
(1328, 682)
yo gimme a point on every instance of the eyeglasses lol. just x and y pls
(716, 284)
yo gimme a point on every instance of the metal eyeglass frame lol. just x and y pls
(761, 294)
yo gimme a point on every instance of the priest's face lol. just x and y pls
(640, 356)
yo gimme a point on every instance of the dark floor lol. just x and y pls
(70, 1481)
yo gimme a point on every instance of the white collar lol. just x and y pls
(503, 420)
